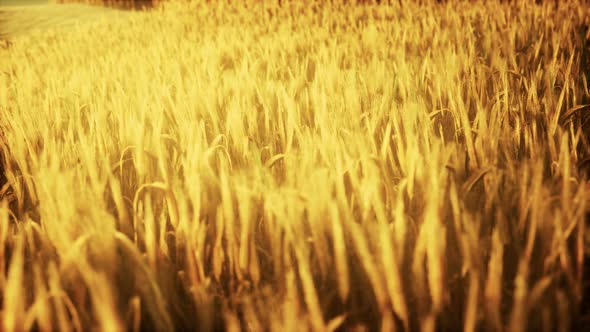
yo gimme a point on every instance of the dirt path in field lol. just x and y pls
(20, 20)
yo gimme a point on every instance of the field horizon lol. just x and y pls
(25, 20)
(256, 166)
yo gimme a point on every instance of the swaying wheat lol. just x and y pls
(308, 166)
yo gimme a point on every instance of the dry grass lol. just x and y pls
(304, 167)
(16, 21)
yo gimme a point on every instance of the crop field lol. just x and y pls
(302, 166)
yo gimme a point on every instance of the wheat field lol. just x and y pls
(308, 166)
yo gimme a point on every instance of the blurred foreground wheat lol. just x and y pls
(310, 166)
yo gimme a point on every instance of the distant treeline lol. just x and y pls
(129, 4)
(149, 3)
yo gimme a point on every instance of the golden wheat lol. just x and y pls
(302, 166)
